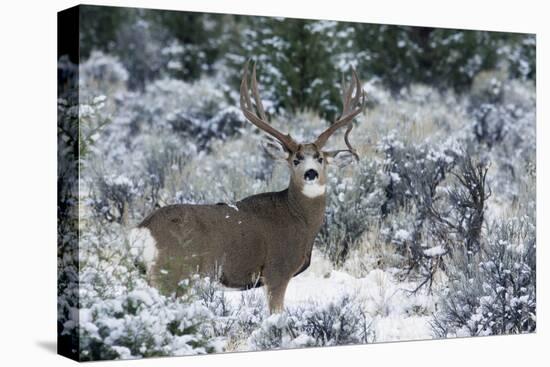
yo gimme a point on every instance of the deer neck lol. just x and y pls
(306, 206)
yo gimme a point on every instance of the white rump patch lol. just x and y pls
(144, 246)
(312, 190)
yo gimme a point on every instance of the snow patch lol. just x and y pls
(435, 251)
(402, 235)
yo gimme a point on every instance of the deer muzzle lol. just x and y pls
(311, 175)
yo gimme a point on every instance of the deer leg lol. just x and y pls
(276, 296)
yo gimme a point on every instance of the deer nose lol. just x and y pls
(311, 175)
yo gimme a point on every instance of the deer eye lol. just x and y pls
(320, 160)
(296, 162)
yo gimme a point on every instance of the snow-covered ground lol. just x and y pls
(396, 313)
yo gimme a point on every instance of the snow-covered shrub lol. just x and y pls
(214, 299)
(67, 207)
(339, 322)
(114, 197)
(236, 169)
(445, 192)
(251, 312)
(164, 160)
(225, 123)
(84, 115)
(102, 74)
(182, 61)
(121, 316)
(202, 99)
(196, 111)
(414, 176)
(413, 173)
(233, 319)
(497, 293)
(77, 123)
(520, 57)
(275, 333)
(501, 109)
(141, 323)
(487, 87)
(505, 131)
(353, 204)
(492, 122)
(458, 227)
(68, 281)
(145, 65)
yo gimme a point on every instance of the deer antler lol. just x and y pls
(353, 104)
(260, 119)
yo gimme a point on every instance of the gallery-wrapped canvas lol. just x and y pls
(243, 183)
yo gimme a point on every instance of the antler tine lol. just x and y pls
(348, 144)
(256, 94)
(346, 95)
(261, 120)
(353, 104)
(246, 103)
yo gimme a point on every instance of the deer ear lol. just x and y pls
(275, 149)
(339, 158)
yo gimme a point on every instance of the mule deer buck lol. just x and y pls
(264, 239)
